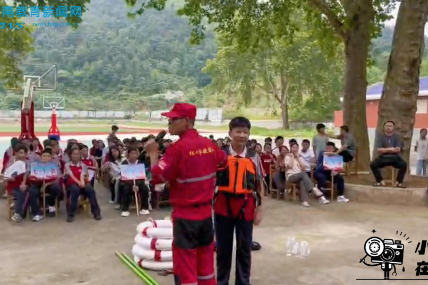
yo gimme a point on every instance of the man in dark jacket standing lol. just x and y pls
(189, 166)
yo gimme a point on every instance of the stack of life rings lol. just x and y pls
(153, 245)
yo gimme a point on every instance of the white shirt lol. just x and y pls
(293, 165)
(307, 158)
(233, 153)
(422, 149)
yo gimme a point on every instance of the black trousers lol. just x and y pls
(395, 161)
(112, 190)
(125, 190)
(74, 192)
(224, 229)
(347, 156)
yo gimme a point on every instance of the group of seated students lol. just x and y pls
(78, 167)
(72, 179)
(299, 165)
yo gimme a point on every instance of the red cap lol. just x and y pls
(181, 110)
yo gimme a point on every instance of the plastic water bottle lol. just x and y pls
(296, 249)
(290, 243)
(304, 249)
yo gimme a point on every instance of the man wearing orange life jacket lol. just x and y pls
(189, 166)
(237, 204)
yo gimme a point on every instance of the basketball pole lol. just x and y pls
(27, 104)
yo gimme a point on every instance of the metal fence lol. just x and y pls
(203, 114)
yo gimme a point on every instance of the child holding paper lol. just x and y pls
(17, 183)
(128, 187)
(51, 184)
(90, 162)
(76, 185)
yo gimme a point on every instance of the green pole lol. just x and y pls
(141, 270)
(136, 272)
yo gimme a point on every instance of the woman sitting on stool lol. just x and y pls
(127, 188)
(296, 174)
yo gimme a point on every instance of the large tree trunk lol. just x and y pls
(401, 88)
(354, 100)
(284, 116)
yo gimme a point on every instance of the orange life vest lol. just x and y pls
(238, 177)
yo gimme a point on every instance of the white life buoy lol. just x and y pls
(160, 229)
(156, 255)
(153, 243)
(153, 265)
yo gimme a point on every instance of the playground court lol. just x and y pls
(54, 252)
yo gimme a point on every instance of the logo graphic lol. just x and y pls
(388, 253)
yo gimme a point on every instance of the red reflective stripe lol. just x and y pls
(140, 263)
(158, 255)
(154, 224)
(145, 231)
(153, 243)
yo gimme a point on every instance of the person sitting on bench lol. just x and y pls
(389, 147)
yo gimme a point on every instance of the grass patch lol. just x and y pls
(105, 126)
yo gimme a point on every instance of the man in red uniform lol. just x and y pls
(189, 166)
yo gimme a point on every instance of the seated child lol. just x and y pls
(127, 188)
(90, 162)
(52, 186)
(76, 173)
(17, 184)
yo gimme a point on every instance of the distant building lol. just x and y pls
(374, 92)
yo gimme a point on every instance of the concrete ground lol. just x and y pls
(55, 252)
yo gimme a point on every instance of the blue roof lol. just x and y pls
(377, 88)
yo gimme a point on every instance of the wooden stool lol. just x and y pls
(331, 188)
(44, 196)
(10, 200)
(291, 189)
(354, 162)
(393, 175)
(84, 204)
(271, 189)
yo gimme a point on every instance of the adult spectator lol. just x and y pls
(389, 147)
(112, 136)
(279, 142)
(421, 149)
(308, 156)
(295, 171)
(348, 144)
(323, 175)
(320, 140)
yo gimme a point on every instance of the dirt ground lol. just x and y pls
(55, 252)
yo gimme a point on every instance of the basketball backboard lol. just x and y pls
(45, 82)
(50, 102)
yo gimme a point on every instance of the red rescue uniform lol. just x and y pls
(190, 166)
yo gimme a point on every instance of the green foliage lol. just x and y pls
(16, 43)
(310, 80)
(113, 62)
(380, 50)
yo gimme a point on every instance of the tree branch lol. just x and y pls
(263, 88)
(334, 21)
(284, 88)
